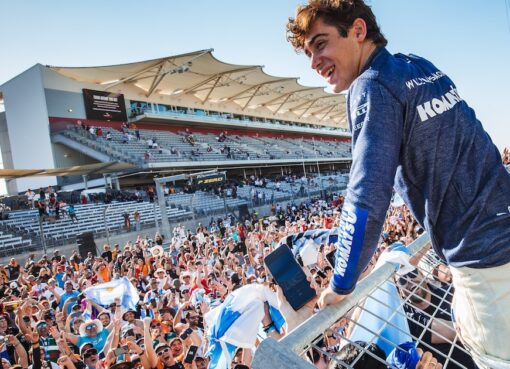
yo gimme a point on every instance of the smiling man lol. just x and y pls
(411, 129)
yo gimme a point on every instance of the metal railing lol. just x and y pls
(307, 342)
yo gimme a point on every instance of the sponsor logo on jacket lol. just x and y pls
(345, 237)
(419, 81)
(439, 105)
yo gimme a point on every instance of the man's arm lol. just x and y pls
(376, 119)
(149, 349)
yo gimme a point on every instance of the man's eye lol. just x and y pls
(320, 45)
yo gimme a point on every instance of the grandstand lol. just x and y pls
(200, 111)
(21, 231)
(117, 127)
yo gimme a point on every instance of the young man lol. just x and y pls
(411, 128)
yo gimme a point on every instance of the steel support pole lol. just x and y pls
(165, 224)
(43, 239)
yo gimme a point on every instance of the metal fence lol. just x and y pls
(421, 300)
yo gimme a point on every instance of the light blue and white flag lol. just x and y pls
(299, 242)
(382, 314)
(235, 323)
(106, 293)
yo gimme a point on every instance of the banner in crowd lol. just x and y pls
(236, 322)
(105, 293)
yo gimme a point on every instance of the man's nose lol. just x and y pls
(314, 61)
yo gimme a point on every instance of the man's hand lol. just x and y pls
(147, 321)
(32, 337)
(329, 297)
(427, 361)
(292, 317)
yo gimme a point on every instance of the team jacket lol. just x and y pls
(412, 131)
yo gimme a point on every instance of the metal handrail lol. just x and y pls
(302, 335)
(293, 344)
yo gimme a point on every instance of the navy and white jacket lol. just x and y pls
(412, 131)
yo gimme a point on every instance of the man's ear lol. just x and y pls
(359, 29)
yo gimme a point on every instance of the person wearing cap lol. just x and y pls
(160, 357)
(162, 278)
(164, 358)
(89, 355)
(129, 316)
(52, 284)
(186, 280)
(91, 331)
(47, 342)
(153, 292)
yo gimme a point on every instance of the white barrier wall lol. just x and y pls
(28, 128)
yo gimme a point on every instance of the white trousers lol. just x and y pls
(481, 307)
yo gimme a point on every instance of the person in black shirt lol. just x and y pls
(13, 269)
(107, 254)
(428, 309)
(56, 256)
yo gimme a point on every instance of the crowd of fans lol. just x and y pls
(48, 321)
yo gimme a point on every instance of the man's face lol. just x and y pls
(193, 319)
(201, 364)
(176, 348)
(105, 319)
(413, 284)
(91, 358)
(130, 317)
(42, 329)
(165, 354)
(334, 57)
(68, 287)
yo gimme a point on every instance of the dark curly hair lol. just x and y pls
(337, 13)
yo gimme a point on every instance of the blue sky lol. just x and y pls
(467, 39)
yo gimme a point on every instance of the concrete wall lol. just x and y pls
(28, 128)
(67, 157)
(65, 104)
(5, 146)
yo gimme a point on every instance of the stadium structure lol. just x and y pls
(203, 114)
(269, 120)
(120, 126)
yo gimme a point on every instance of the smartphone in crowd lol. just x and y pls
(330, 257)
(190, 355)
(321, 274)
(121, 350)
(289, 276)
(186, 334)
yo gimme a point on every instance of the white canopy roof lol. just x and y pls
(212, 81)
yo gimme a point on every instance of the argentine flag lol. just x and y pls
(106, 293)
(383, 318)
(235, 323)
(300, 241)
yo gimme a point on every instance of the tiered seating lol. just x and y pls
(241, 147)
(10, 241)
(90, 219)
